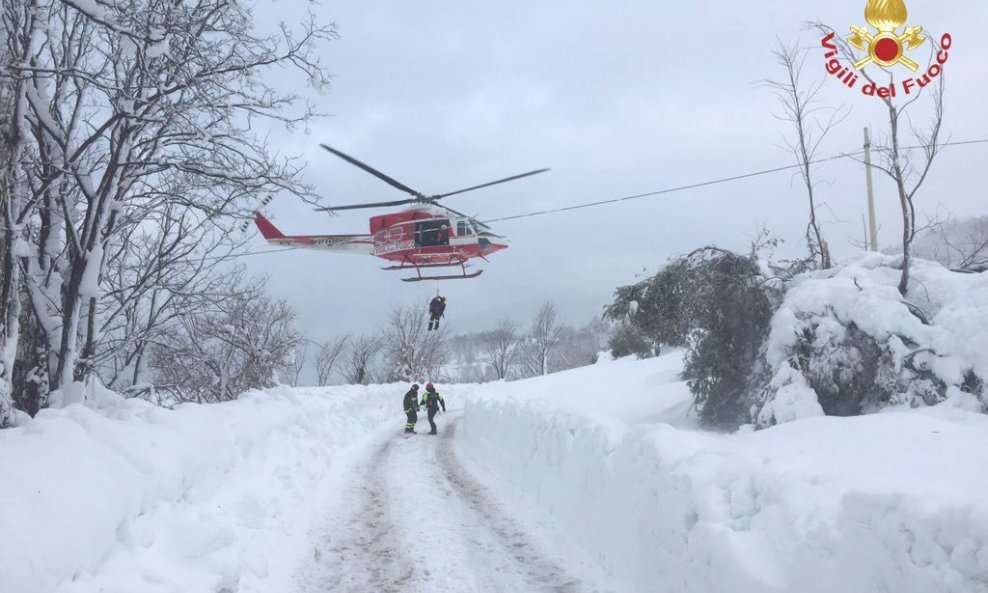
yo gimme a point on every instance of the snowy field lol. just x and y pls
(589, 480)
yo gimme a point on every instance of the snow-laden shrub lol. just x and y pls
(716, 305)
(629, 339)
(729, 312)
(848, 337)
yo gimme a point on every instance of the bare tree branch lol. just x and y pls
(799, 105)
(907, 178)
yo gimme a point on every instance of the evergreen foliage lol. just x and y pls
(629, 339)
(717, 305)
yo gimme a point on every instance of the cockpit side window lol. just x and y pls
(463, 229)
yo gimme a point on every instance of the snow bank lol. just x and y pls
(211, 498)
(626, 390)
(889, 502)
(860, 346)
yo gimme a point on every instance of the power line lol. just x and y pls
(263, 252)
(717, 181)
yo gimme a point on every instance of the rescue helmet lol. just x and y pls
(415, 385)
(430, 386)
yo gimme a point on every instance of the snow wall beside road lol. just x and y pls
(212, 498)
(891, 502)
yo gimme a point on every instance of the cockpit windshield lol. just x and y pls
(465, 227)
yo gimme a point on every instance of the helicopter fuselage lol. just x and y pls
(431, 236)
(419, 237)
(427, 235)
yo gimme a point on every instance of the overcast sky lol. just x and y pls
(617, 99)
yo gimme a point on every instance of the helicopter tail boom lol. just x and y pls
(359, 244)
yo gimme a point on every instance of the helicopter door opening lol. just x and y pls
(431, 233)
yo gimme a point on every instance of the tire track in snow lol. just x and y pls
(414, 520)
(540, 573)
(366, 555)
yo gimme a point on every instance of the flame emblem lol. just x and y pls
(886, 48)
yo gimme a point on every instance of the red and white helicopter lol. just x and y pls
(426, 235)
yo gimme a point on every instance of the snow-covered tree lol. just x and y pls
(729, 317)
(328, 356)
(9, 271)
(502, 347)
(717, 305)
(411, 352)
(656, 306)
(154, 274)
(358, 358)
(235, 340)
(846, 343)
(540, 344)
(129, 108)
(299, 359)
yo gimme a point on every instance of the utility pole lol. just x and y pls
(871, 191)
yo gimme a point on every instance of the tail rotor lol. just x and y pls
(264, 203)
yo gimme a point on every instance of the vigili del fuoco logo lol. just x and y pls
(886, 42)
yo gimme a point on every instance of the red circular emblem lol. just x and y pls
(887, 49)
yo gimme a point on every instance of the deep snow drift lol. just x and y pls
(133, 498)
(859, 346)
(602, 462)
(888, 502)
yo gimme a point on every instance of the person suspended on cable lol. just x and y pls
(411, 405)
(432, 400)
(437, 307)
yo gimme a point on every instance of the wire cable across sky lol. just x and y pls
(716, 181)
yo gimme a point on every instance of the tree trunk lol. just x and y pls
(9, 302)
(907, 221)
(10, 273)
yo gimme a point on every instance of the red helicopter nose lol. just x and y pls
(489, 243)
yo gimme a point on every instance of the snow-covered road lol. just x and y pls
(415, 519)
(584, 481)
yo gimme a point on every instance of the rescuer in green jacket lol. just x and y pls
(432, 400)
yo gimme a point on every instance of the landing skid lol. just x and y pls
(453, 277)
(420, 277)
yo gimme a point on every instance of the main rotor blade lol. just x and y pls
(506, 179)
(369, 205)
(374, 172)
